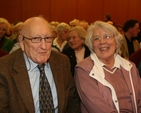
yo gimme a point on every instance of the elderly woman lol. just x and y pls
(77, 50)
(5, 43)
(60, 42)
(106, 82)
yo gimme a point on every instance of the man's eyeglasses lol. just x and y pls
(97, 38)
(39, 39)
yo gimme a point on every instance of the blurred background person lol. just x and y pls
(139, 35)
(77, 50)
(16, 31)
(54, 24)
(60, 42)
(108, 19)
(130, 44)
(54, 33)
(120, 29)
(106, 82)
(5, 43)
(84, 24)
(74, 22)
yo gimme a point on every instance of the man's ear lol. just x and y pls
(20, 38)
(21, 41)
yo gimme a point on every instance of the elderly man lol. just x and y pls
(31, 81)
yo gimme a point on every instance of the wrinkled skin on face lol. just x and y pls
(75, 41)
(37, 52)
(105, 50)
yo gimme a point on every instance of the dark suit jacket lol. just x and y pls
(15, 90)
(71, 55)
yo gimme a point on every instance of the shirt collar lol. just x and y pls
(30, 64)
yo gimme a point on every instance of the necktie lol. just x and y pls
(45, 96)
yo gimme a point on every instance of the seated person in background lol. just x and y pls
(120, 29)
(77, 50)
(139, 35)
(5, 43)
(74, 23)
(130, 44)
(35, 79)
(60, 42)
(84, 24)
(108, 19)
(3, 53)
(16, 31)
(54, 33)
(10, 35)
(54, 24)
(106, 82)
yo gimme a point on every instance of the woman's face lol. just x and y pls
(3, 29)
(104, 45)
(75, 41)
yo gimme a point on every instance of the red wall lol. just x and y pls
(67, 10)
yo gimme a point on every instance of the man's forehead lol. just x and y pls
(32, 25)
(35, 22)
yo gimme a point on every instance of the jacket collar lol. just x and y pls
(97, 69)
(22, 81)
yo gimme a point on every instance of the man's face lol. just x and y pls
(135, 30)
(37, 52)
(3, 29)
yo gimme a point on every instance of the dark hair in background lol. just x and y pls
(108, 17)
(129, 24)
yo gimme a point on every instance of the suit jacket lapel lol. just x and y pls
(22, 82)
(58, 81)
